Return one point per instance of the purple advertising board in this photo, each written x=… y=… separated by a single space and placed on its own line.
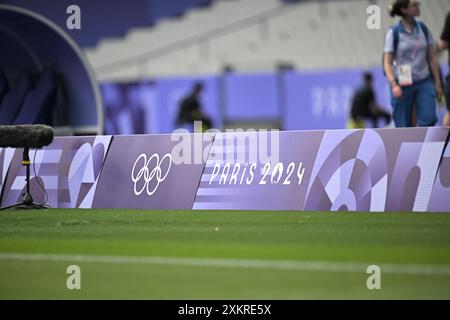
x=152 y=171
x=258 y=171
x=440 y=197
x=354 y=170
x=68 y=169
x=376 y=170
x=324 y=170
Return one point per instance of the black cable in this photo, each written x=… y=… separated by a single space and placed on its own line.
x=37 y=178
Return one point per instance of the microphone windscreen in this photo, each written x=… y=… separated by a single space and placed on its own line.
x=25 y=136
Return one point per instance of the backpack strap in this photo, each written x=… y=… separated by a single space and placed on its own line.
x=396 y=34
x=396 y=31
x=424 y=29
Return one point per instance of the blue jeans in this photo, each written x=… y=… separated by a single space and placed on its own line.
x=422 y=95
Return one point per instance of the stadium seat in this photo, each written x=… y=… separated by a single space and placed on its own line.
x=39 y=103
x=13 y=100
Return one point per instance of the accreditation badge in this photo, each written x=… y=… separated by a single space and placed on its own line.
x=405 y=75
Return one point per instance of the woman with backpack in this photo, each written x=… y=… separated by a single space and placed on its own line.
x=411 y=67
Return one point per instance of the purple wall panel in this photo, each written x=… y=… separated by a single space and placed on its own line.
x=319 y=100
x=251 y=96
x=131 y=108
x=170 y=92
x=152 y=106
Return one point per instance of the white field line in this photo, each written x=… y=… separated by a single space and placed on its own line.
x=327 y=266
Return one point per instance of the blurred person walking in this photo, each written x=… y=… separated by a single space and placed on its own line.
x=443 y=44
x=190 y=109
x=364 y=105
x=411 y=67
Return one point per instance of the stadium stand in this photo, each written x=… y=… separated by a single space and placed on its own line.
x=4 y=87
x=39 y=103
x=12 y=102
x=115 y=21
x=253 y=34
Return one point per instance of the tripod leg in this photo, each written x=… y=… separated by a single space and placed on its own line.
x=27 y=201
x=10 y=207
x=22 y=206
x=27 y=198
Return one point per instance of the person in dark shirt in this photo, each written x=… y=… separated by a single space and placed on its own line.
x=364 y=104
x=443 y=44
x=190 y=109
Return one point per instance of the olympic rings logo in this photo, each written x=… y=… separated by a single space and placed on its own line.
x=155 y=173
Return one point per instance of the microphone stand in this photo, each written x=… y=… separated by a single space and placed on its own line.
x=27 y=200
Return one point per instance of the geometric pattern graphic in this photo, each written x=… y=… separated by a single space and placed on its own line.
x=350 y=173
x=428 y=163
x=6 y=155
x=84 y=172
x=414 y=157
x=68 y=169
x=376 y=170
x=440 y=197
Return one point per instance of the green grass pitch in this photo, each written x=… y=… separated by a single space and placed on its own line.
x=132 y=254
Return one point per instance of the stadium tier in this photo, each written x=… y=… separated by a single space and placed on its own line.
x=254 y=35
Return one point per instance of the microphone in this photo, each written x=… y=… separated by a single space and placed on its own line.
x=25 y=136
